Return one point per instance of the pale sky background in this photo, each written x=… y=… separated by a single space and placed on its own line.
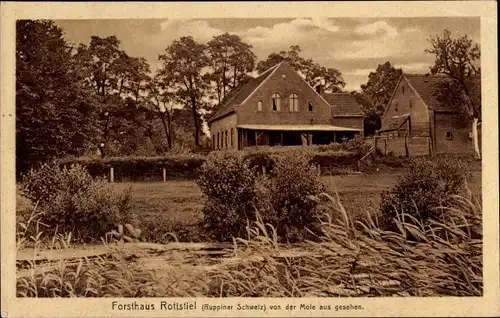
x=353 y=46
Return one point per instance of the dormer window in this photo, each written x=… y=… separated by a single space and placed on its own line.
x=294 y=103
x=310 y=104
x=276 y=100
x=259 y=106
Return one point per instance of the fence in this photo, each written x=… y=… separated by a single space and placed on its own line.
x=403 y=146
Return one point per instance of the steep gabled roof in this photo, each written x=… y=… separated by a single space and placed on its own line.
x=426 y=86
x=243 y=93
x=343 y=104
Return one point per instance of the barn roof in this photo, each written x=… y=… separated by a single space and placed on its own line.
x=242 y=94
x=394 y=123
x=426 y=85
x=343 y=104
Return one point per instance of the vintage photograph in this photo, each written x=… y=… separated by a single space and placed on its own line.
x=248 y=157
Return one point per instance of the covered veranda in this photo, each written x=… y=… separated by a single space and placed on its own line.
x=292 y=135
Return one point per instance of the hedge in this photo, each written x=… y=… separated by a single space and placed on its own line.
x=185 y=167
x=142 y=168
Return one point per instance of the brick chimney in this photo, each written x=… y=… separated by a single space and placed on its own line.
x=320 y=87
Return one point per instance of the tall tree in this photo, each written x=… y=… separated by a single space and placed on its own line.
x=313 y=73
x=458 y=59
x=162 y=102
x=376 y=93
x=53 y=110
x=114 y=76
x=231 y=60
x=184 y=65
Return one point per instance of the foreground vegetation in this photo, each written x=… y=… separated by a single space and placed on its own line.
x=425 y=238
x=349 y=259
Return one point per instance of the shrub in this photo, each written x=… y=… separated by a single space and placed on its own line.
x=426 y=186
x=229 y=189
x=70 y=200
x=357 y=145
x=293 y=181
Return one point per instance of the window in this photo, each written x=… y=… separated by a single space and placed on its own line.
x=294 y=103
x=225 y=139
x=213 y=141
x=410 y=104
x=276 y=102
x=403 y=89
x=449 y=135
x=396 y=106
x=218 y=144
x=232 y=138
x=259 y=106
x=310 y=106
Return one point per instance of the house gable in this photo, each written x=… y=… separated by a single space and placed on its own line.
x=289 y=85
x=241 y=95
x=406 y=101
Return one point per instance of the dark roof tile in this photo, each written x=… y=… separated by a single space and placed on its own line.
x=343 y=104
x=426 y=86
x=242 y=94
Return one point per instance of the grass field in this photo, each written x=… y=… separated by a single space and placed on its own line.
x=180 y=202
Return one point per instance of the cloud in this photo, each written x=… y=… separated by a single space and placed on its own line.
x=326 y=24
x=359 y=72
x=377 y=28
x=414 y=67
x=281 y=35
x=198 y=29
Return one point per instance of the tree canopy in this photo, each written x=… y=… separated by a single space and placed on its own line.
x=376 y=93
x=313 y=73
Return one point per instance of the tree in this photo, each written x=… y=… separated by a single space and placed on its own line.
x=231 y=60
x=312 y=72
x=183 y=65
x=457 y=58
x=162 y=101
x=53 y=109
x=114 y=76
x=376 y=93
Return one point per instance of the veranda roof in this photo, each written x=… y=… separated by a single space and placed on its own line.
x=297 y=127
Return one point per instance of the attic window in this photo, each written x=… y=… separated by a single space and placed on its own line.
x=396 y=106
x=276 y=102
x=449 y=135
x=259 y=106
x=403 y=89
x=310 y=106
x=410 y=104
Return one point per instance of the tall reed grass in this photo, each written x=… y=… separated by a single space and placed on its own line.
x=350 y=258
x=359 y=259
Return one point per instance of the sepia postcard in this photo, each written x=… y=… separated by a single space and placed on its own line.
x=249 y=159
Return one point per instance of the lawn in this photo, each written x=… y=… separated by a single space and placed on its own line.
x=180 y=202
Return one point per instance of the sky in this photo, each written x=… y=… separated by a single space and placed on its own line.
x=353 y=46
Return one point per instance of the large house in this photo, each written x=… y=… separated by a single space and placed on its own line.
x=415 y=111
x=280 y=108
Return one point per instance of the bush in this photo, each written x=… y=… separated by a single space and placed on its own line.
x=293 y=181
x=70 y=200
x=423 y=191
x=229 y=189
x=357 y=145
